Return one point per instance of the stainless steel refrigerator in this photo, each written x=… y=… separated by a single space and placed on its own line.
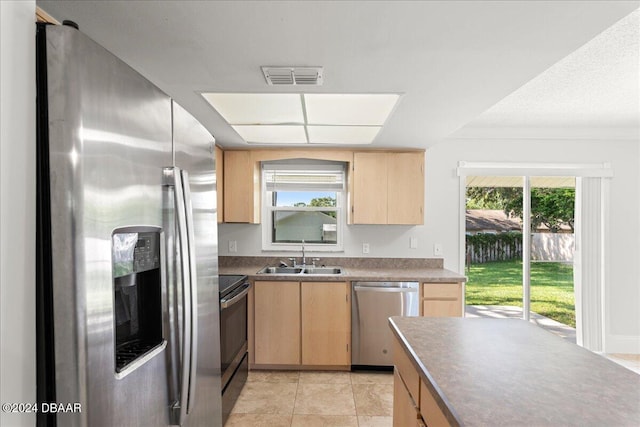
x=127 y=265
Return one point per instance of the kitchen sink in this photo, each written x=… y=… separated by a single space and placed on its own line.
x=322 y=270
x=281 y=270
x=301 y=270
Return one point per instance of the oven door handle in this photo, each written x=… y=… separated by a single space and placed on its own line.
x=228 y=303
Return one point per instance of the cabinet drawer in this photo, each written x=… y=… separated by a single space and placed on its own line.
x=442 y=308
x=431 y=412
x=406 y=370
x=441 y=290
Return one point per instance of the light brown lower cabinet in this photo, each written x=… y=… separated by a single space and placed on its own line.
x=302 y=324
x=413 y=404
x=277 y=322
x=326 y=323
x=441 y=300
x=405 y=412
x=429 y=409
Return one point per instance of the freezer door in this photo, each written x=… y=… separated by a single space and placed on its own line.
x=195 y=154
x=102 y=149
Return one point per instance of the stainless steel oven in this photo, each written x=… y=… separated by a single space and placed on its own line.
x=233 y=338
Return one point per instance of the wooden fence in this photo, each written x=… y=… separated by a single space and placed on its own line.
x=485 y=247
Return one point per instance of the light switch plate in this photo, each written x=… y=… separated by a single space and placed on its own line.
x=233 y=246
x=413 y=243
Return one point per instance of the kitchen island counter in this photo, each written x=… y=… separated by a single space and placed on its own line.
x=483 y=372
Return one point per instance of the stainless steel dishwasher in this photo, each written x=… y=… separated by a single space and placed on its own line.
x=372 y=304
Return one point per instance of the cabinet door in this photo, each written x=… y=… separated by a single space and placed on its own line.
x=241 y=192
x=277 y=323
x=369 y=188
x=442 y=299
x=220 y=183
x=326 y=324
x=405 y=412
x=431 y=412
x=405 y=188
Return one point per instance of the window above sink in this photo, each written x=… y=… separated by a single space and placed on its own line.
x=303 y=200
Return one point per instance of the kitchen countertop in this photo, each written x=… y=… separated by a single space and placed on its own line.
x=350 y=274
x=487 y=372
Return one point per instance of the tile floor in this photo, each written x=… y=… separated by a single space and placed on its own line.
x=314 y=399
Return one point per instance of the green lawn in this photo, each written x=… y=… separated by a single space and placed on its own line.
x=500 y=283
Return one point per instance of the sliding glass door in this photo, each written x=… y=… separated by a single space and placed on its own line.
x=551 y=253
x=519 y=243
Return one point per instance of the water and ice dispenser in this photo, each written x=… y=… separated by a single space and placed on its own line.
x=137 y=292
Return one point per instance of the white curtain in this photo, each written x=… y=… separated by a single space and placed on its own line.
x=589 y=266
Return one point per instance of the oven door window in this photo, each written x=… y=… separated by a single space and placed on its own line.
x=233 y=331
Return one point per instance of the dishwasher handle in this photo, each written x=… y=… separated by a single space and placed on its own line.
x=383 y=289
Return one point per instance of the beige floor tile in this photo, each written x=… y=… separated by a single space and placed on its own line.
x=373 y=399
x=364 y=377
x=369 y=421
x=258 y=420
x=324 y=399
x=326 y=377
x=266 y=398
x=324 y=421
x=274 y=376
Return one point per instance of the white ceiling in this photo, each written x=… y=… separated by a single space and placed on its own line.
x=451 y=60
x=591 y=93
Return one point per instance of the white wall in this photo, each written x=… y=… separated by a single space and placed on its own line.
x=622 y=304
x=442 y=216
x=17 y=207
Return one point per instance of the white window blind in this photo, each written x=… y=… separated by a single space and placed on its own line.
x=306 y=176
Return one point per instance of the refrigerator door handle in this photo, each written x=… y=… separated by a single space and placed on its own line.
x=193 y=292
x=179 y=404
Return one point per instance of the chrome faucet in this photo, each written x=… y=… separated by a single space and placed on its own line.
x=304 y=258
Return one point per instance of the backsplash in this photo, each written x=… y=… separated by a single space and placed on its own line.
x=362 y=263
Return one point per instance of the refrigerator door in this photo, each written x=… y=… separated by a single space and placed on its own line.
x=106 y=140
x=195 y=154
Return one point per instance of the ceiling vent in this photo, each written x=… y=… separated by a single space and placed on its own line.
x=290 y=76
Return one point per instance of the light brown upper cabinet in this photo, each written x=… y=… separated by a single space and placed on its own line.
x=220 y=183
x=388 y=188
x=241 y=188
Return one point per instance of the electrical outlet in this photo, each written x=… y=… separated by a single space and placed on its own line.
x=437 y=248
x=413 y=243
x=365 y=248
x=233 y=246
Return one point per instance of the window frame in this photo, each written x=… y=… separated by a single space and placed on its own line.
x=268 y=210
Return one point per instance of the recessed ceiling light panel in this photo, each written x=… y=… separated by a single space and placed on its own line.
x=349 y=109
x=342 y=134
x=300 y=118
x=272 y=134
x=257 y=108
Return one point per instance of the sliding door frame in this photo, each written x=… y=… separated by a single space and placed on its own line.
x=526 y=171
